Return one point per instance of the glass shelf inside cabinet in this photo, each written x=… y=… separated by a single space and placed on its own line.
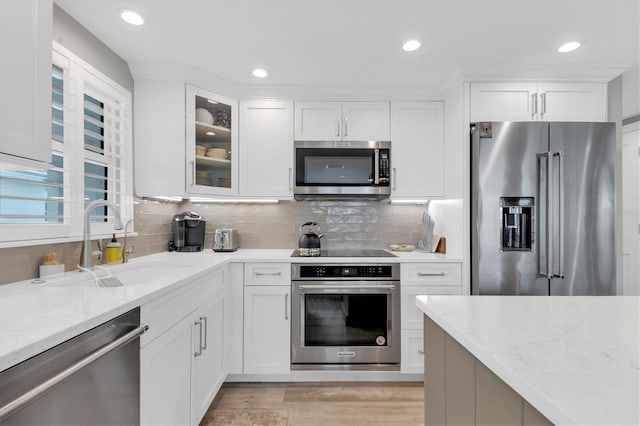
x=213 y=143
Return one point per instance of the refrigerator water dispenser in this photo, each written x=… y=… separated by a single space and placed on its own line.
x=517 y=223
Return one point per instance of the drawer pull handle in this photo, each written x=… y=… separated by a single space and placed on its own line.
x=420 y=352
x=439 y=274
x=267 y=274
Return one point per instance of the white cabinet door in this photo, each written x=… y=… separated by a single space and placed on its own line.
x=410 y=316
x=267 y=334
x=349 y=121
x=538 y=101
x=417 y=156
x=365 y=121
x=502 y=101
x=318 y=121
x=25 y=72
x=210 y=373
x=571 y=102
x=166 y=376
x=159 y=132
x=211 y=143
x=266 y=149
x=412 y=357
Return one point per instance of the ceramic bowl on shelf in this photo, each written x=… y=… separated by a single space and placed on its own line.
x=201 y=150
x=218 y=153
x=204 y=116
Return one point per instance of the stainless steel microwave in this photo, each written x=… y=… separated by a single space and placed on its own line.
x=342 y=169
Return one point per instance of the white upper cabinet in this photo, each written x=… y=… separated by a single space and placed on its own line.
x=365 y=121
x=211 y=143
x=572 y=102
x=348 y=121
x=266 y=148
x=417 y=149
x=538 y=101
x=25 y=72
x=159 y=153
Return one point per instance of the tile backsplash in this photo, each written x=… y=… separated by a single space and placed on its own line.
x=345 y=224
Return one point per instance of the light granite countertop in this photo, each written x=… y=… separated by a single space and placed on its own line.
x=36 y=317
x=575 y=359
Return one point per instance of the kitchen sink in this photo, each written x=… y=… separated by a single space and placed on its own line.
x=127 y=274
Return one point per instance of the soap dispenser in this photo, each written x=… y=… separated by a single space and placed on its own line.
x=114 y=251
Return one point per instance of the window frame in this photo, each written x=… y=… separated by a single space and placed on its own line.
x=78 y=76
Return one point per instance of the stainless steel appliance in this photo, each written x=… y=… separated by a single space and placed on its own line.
x=91 y=379
x=335 y=170
x=543 y=208
x=225 y=240
x=187 y=229
x=345 y=316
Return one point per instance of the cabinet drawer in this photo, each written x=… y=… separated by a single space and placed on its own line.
x=162 y=313
x=411 y=316
x=267 y=274
x=439 y=274
x=412 y=352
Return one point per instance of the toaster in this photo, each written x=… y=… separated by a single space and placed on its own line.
x=225 y=240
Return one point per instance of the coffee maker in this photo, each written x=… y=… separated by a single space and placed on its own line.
x=187 y=229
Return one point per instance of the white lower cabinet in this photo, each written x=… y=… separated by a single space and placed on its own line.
x=182 y=359
x=267 y=329
x=210 y=373
x=430 y=278
x=412 y=358
x=166 y=376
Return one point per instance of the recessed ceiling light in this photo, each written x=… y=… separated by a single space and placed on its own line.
x=211 y=101
x=411 y=45
x=131 y=17
x=210 y=134
x=569 y=47
x=260 y=73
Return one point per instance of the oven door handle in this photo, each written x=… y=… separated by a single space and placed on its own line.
x=347 y=287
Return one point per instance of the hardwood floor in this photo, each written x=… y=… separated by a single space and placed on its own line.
x=326 y=404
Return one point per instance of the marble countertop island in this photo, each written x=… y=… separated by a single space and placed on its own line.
x=575 y=359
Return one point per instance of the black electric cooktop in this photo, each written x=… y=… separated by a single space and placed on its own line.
x=348 y=253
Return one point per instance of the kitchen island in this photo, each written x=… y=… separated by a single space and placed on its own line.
x=532 y=360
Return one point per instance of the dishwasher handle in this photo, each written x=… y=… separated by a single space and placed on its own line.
x=27 y=397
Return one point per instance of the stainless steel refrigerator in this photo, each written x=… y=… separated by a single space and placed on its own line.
x=543 y=208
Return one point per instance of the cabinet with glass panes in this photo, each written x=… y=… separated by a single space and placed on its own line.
x=211 y=144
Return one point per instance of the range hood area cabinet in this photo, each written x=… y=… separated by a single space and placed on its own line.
x=530 y=101
x=25 y=69
x=342 y=121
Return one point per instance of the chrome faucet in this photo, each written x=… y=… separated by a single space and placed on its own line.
x=86 y=259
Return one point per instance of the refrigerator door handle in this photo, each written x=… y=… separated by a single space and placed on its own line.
x=560 y=155
x=548 y=272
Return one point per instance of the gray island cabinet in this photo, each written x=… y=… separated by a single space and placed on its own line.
x=460 y=390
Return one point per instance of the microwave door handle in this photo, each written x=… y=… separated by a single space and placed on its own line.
x=376 y=166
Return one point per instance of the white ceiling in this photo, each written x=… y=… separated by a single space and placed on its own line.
x=357 y=43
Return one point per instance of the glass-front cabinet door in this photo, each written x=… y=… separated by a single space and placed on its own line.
x=211 y=143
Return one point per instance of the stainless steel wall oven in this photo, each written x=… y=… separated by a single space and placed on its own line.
x=345 y=316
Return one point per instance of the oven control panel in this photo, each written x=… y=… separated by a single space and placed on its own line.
x=343 y=271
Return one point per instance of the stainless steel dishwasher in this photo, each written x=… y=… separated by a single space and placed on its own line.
x=91 y=379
